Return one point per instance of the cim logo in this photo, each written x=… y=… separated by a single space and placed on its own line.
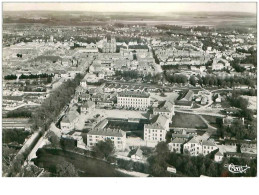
x=237 y=168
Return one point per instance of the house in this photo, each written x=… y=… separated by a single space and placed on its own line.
x=218 y=156
x=166 y=109
x=228 y=120
x=185 y=100
x=105 y=104
x=68 y=121
x=193 y=146
x=176 y=145
x=83 y=83
x=87 y=107
x=138 y=155
x=85 y=97
x=80 y=90
x=208 y=146
x=204 y=100
x=217 y=98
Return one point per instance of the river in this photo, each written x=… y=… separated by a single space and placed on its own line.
x=86 y=166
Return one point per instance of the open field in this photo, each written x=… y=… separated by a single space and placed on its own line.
x=184 y=120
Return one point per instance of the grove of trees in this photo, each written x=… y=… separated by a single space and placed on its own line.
x=194 y=166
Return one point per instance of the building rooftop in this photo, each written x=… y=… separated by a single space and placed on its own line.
x=158 y=122
x=187 y=96
x=133 y=94
x=208 y=143
x=108 y=132
x=178 y=140
x=70 y=116
x=88 y=104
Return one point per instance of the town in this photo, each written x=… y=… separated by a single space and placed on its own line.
x=89 y=98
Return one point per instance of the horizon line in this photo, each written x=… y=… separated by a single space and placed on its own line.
x=128 y=11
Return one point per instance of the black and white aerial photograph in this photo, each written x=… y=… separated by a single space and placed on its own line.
x=129 y=89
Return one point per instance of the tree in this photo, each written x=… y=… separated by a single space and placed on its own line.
x=8 y=155
x=203 y=169
x=219 y=122
x=168 y=137
x=158 y=161
x=193 y=80
x=104 y=149
x=66 y=169
x=54 y=139
x=162 y=149
x=49 y=79
x=30 y=171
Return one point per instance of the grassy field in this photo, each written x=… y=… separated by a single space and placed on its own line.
x=183 y=120
x=86 y=166
x=211 y=120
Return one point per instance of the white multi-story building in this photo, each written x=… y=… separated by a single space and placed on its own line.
x=208 y=146
x=133 y=100
x=176 y=145
x=198 y=145
x=117 y=136
x=193 y=146
x=100 y=132
x=156 y=131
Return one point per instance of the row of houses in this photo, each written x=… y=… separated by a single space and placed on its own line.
x=123 y=87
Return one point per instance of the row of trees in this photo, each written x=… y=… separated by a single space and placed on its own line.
x=36 y=76
x=52 y=106
x=31 y=76
x=211 y=80
x=175 y=78
x=130 y=74
x=10 y=77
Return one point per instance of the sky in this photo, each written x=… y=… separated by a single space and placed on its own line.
x=133 y=7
